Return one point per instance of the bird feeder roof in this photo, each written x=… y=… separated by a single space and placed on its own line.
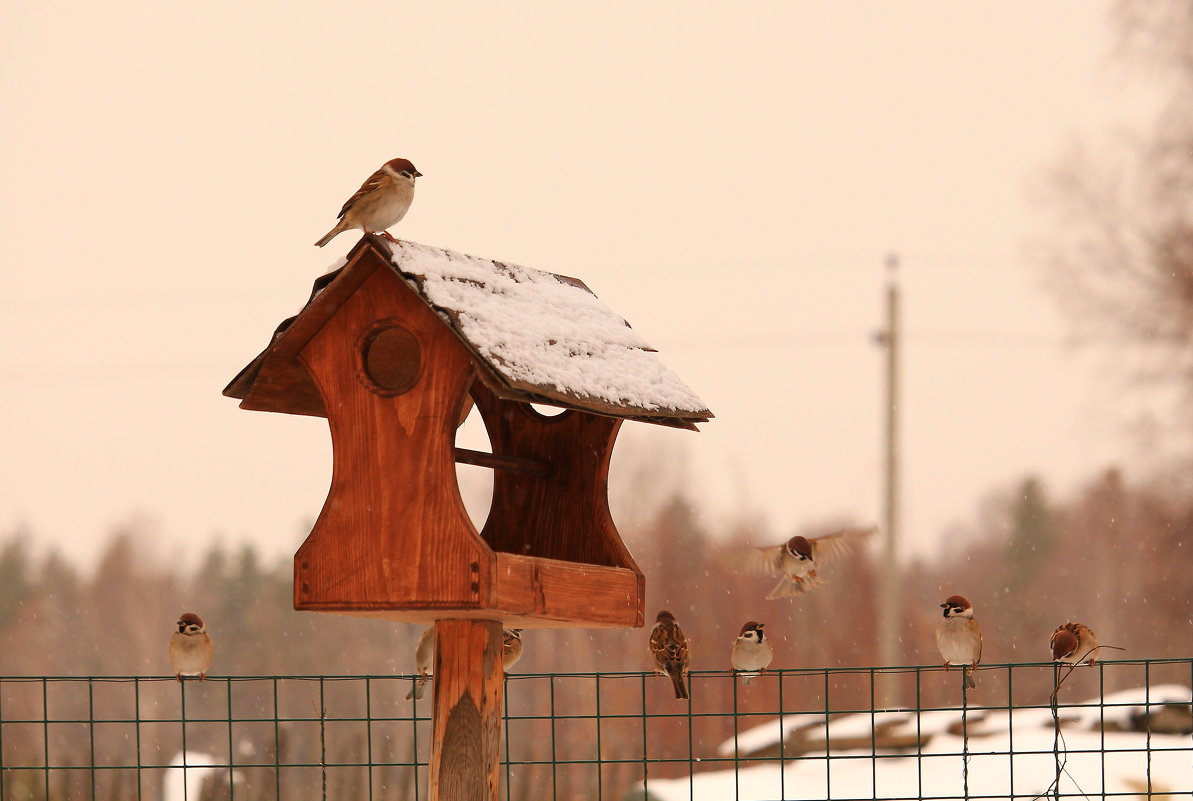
x=537 y=337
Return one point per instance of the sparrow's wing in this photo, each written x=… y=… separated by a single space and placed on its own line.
x=511 y=649
x=977 y=633
x=424 y=652
x=683 y=656
x=1063 y=631
x=658 y=649
x=761 y=560
x=839 y=544
x=371 y=184
x=669 y=646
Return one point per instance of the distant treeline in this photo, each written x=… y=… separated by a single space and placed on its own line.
x=1115 y=556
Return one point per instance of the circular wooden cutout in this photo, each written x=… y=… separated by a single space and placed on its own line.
x=390 y=359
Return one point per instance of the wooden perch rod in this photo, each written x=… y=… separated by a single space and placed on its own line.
x=516 y=464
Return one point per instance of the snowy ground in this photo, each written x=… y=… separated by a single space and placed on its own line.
x=184 y=781
x=1009 y=755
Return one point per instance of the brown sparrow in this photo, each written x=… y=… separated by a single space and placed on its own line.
x=424 y=657
x=752 y=652
x=798 y=558
x=958 y=637
x=1073 y=643
x=424 y=662
x=380 y=202
x=669 y=651
x=511 y=647
x=190 y=648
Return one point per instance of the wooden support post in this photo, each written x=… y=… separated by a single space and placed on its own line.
x=466 y=721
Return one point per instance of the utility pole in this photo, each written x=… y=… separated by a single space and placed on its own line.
x=890 y=651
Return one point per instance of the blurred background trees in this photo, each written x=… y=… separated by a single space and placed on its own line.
x=1117 y=553
x=1120 y=250
x=1114 y=555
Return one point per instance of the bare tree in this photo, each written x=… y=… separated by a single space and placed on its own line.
x=1121 y=255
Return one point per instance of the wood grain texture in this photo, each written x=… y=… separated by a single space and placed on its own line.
x=277 y=381
x=393 y=539
x=530 y=593
x=563 y=515
x=584 y=595
x=393 y=530
x=466 y=717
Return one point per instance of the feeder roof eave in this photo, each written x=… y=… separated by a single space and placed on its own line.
x=489 y=305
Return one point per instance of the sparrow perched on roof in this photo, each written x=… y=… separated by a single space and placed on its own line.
x=380 y=202
x=1073 y=643
x=669 y=652
x=752 y=651
x=424 y=657
x=958 y=637
x=797 y=559
x=190 y=648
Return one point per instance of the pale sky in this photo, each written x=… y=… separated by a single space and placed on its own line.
x=728 y=177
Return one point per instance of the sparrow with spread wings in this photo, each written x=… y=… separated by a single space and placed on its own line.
x=798 y=560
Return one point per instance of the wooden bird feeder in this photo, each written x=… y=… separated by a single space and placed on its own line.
x=394 y=348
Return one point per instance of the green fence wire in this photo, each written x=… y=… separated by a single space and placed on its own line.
x=1121 y=729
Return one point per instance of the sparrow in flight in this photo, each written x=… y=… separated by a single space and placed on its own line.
x=798 y=560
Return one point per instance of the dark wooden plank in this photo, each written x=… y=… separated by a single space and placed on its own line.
x=466 y=717
x=561 y=516
x=498 y=462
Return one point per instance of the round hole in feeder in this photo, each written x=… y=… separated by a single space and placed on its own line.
x=390 y=358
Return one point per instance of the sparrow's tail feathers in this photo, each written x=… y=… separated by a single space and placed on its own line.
x=681 y=687
x=969 y=680
x=340 y=228
x=745 y=677
x=789 y=588
x=419 y=688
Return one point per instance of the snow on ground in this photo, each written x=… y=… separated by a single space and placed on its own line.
x=1009 y=754
x=772 y=732
x=858 y=774
x=185 y=783
x=537 y=328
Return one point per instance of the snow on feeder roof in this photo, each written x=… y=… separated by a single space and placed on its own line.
x=538 y=337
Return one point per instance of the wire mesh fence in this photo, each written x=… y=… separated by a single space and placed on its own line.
x=1117 y=729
